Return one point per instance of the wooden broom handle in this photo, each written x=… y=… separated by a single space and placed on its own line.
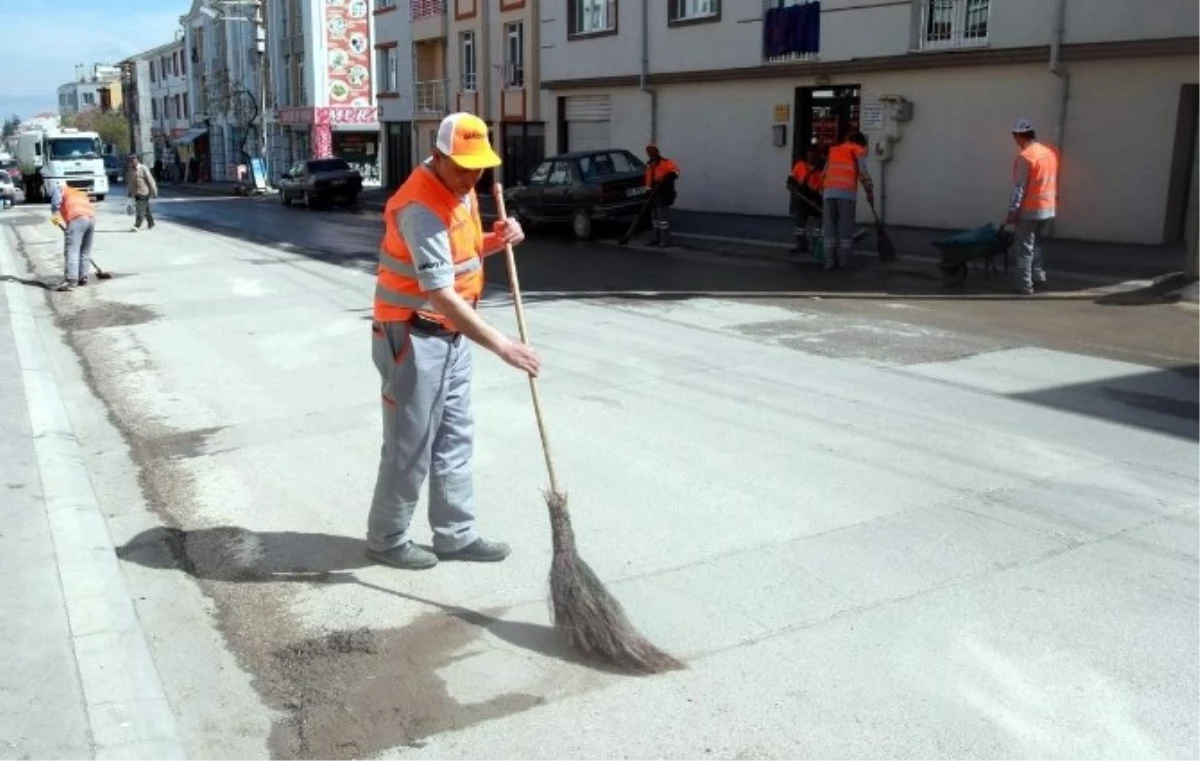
x=515 y=284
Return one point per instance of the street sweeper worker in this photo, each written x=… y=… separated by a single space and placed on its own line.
x=1033 y=204
x=804 y=182
x=661 y=174
x=429 y=280
x=845 y=168
x=74 y=215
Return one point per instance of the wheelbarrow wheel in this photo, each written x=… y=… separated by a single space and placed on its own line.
x=953 y=274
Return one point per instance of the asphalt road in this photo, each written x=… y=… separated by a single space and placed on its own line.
x=876 y=519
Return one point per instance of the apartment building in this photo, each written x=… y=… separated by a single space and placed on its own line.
x=324 y=87
x=735 y=90
x=225 y=72
x=461 y=55
x=160 y=105
x=394 y=89
x=99 y=90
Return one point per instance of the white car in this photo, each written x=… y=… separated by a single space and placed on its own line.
x=8 y=191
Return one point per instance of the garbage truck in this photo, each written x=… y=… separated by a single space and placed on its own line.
x=64 y=157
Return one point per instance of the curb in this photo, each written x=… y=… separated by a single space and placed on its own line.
x=129 y=715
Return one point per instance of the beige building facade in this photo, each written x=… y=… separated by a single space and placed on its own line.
x=735 y=90
x=478 y=56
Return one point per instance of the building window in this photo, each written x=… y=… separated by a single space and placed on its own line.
x=381 y=4
x=466 y=61
x=953 y=23
x=514 y=55
x=588 y=17
x=388 y=63
x=693 y=10
x=286 y=83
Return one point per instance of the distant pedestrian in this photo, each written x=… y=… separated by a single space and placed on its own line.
x=141 y=187
x=804 y=182
x=79 y=223
x=429 y=281
x=661 y=175
x=845 y=169
x=1033 y=206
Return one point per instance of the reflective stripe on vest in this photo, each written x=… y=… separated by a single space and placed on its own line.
x=398 y=293
x=75 y=204
x=1041 y=189
x=841 y=170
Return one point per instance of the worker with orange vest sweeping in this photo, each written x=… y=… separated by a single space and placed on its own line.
x=845 y=168
x=78 y=221
x=1033 y=206
x=429 y=280
x=804 y=182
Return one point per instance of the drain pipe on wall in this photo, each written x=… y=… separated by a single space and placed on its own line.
x=1064 y=82
x=646 y=72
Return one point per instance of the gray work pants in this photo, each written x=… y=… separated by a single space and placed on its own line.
x=838 y=232
x=78 y=249
x=141 y=206
x=660 y=217
x=1030 y=267
x=428 y=430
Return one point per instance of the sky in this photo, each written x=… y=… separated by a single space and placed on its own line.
x=42 y=41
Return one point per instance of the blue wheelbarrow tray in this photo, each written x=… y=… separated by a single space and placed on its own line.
x=985 y=242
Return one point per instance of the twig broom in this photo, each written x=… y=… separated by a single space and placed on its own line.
x=590 y=618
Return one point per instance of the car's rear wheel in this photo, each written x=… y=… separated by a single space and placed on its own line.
x=581 y=224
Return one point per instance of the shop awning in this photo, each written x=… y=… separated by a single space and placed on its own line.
x=189 y=136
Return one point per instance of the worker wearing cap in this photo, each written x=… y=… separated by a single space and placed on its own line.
x=804 y=182
x=1033 y=204
x=845 y=169
x=429 y=279
x=661 y=174
x=78 y=220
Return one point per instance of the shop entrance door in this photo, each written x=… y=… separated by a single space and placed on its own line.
x=824 y=115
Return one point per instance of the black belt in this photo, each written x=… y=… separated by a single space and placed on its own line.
x=431 y=327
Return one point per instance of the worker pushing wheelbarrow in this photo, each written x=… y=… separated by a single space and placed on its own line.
x=981 y=244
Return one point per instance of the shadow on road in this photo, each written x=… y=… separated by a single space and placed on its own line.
x=1166 y=401
x=235 y=554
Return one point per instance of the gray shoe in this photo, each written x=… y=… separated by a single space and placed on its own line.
x=479 y=551
x=408 y=556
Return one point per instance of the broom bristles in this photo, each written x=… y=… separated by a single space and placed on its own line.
x=591 y=619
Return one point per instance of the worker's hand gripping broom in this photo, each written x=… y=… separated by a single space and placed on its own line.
x=591 y=619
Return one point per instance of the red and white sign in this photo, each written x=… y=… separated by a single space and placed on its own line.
x=307 y=115
x=347 y=115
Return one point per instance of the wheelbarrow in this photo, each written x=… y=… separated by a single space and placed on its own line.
x=983 y=244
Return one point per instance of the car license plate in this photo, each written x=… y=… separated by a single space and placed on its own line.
x=339 y=182
x=636 y=191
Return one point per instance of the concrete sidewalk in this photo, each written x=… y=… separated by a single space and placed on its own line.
x=79 y=680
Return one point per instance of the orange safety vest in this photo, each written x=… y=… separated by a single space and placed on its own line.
x=841 y=168
x=806 y=175
x=1041 y=190
x=398 y=294
x=75 y=204
x=658 y=171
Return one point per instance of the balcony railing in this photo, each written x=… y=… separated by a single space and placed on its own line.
x=953 y=24
x=423 y=9
x=430 y=97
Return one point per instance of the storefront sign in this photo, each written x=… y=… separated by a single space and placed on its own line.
x=348 y=42
x=293 y=115
x=782 y=112
x=871 y=116
x=347 y=115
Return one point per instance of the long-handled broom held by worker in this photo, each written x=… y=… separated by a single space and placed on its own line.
x=591 y=619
